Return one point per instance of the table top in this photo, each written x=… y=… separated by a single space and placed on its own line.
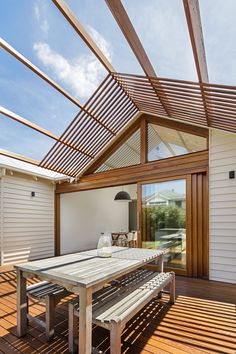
x=85 y=269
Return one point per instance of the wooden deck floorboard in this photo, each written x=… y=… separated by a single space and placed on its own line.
x=203 y=320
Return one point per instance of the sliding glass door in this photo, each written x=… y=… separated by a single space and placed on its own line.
x=163 y=220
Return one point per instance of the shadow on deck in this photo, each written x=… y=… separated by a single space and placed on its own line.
x=203 y=320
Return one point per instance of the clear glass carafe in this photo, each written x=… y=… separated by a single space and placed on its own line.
x=104 y=246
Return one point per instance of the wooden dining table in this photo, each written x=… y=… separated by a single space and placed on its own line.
x=81 y=273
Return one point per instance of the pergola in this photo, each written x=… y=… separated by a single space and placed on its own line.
x=122 y=98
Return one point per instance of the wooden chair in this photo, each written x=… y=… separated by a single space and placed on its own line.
x=49 y=294
x=116 y=304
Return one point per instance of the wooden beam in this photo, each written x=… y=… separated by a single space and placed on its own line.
x=156 y=118
x=73 y=20
x=19 y=157
x=193 y=17
x=192 y=13
x=176 y=125
x=41 y=130
x=177 y=165
x=143 y=140
x=37 y=71
x=126 y=26
x=26 y=122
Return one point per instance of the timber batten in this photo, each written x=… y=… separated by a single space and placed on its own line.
x=195 y=162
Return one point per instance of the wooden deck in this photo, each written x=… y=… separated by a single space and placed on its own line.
x=203 y=320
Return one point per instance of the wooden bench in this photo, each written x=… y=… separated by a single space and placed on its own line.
x=116 y=304
x=50 y=294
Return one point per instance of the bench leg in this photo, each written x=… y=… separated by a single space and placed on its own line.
x=72 y=329
x=172 y=290
x=50 y=313
x=115 y=338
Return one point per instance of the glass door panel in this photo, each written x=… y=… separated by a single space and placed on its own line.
x=164 y=220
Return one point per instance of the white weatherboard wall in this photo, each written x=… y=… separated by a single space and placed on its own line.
x=26 y=222
x=222 y=194
x=84 y=215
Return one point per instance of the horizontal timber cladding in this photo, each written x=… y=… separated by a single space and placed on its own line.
x=27 y=222
x=222 y=202
x=190 y=163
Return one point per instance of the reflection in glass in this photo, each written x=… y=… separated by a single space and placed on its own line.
x=165 y=142
x=164 y=220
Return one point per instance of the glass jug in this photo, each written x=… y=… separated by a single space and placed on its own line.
x=104 y=246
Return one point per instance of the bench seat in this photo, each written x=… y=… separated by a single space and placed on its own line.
x=116 y=304
x=50 y=294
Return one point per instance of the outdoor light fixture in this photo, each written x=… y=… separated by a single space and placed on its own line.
x=122 y=196
x=32 y=194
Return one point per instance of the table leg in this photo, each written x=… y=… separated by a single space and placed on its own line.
x=160 y=263
x=21 y=304
x=85 y=321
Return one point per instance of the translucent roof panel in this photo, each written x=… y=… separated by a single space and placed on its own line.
x=162 y=28
x=22 y=140
x=41 y=33
x=219 y=30
x=127 y=154
x=27 y=95
x=165 y=142
x=96 y=17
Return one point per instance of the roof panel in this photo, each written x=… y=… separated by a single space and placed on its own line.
x=24 y=93
x=219 y=29
x=100 y=23
x=49 y=41
x=29 y=142
x=162 y=29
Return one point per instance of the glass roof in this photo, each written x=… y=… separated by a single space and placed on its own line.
x=24 y=93
x=219 y=31
x=40 y=32
x=165 y=142
x=99 y=19
x=29 y=142
x=163 y=31
x=127 y=154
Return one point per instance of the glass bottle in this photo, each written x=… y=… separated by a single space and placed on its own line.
x=104 y=246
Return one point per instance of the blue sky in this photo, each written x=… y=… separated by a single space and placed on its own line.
x=39 y=32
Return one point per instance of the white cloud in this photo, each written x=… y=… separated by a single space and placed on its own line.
x=81 y=74
x=39 y=16
x=101 y=42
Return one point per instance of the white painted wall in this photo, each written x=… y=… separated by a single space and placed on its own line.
x=84 y=215
x=26 y=222
x=222 y=194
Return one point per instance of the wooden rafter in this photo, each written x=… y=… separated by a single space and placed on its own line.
x=6 y=46
x=19 y=157
x=192 y=13
x=126 y=26
x=193 y=18
x=46 y=78
x=26 y=122
x=19 y=119
x=75 y=23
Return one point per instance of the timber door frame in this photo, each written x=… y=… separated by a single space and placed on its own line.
x=197 y=241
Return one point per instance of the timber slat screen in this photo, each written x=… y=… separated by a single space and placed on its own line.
x=183 y=99
x=102 y=117
x=117 y=100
